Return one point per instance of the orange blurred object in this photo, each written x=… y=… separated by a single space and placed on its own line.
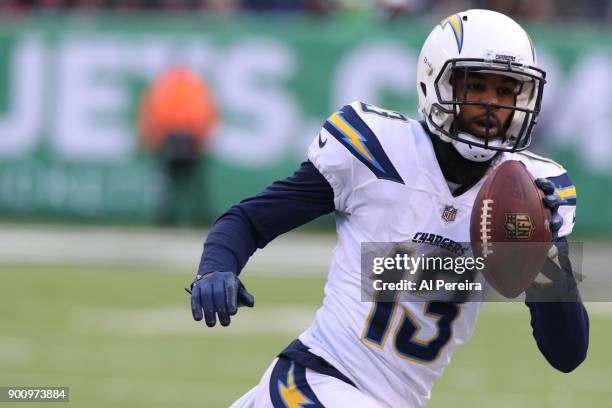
x=177 y=101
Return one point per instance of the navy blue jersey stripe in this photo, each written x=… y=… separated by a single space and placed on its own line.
x=568 y=201
x=565 y=188
x=304 y=387
x=561 y=181
x=288 y=386
x=298 y=352
x=350 y=130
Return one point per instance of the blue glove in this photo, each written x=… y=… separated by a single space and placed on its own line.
x=219 y=293
x=552 y=201
x=557 y=281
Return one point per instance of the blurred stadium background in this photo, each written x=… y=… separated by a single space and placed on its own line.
x=91 y=283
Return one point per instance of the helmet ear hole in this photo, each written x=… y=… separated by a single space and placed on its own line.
x=424 y=89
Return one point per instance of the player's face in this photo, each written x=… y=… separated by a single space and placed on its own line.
x=484 y=88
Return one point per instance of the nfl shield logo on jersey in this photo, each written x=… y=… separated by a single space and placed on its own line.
x=449 y=213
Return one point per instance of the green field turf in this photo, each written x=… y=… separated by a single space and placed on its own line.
x=123 y=336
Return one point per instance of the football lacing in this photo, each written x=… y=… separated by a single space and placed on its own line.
x=485 y=227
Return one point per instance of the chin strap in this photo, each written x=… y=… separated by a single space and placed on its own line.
x=475 y=153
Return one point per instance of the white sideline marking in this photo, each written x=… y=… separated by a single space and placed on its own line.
x=14 y=350
x=172 y=321
x=175 y=249
x=177 y=321
x=603 y=309
x=599 y=308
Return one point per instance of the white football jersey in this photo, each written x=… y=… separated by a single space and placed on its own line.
x=388 y=187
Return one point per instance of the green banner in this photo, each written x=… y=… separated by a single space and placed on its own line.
x=70 y=86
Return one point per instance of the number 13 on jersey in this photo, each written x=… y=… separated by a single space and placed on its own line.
x=405 y=341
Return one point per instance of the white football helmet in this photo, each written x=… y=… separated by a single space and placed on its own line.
x=487 y=42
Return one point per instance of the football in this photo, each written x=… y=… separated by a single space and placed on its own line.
x=510 y=228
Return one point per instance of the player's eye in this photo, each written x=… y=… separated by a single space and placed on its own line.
x=505 y=90
x=475 y=86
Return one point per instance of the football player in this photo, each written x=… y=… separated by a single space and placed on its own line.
x=388 y=178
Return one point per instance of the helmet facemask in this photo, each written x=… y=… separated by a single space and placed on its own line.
x=514 y=135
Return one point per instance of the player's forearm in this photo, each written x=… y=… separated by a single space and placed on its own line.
x=559 y=320
x=230 y=243
x=561 y=330
x=254 y=222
